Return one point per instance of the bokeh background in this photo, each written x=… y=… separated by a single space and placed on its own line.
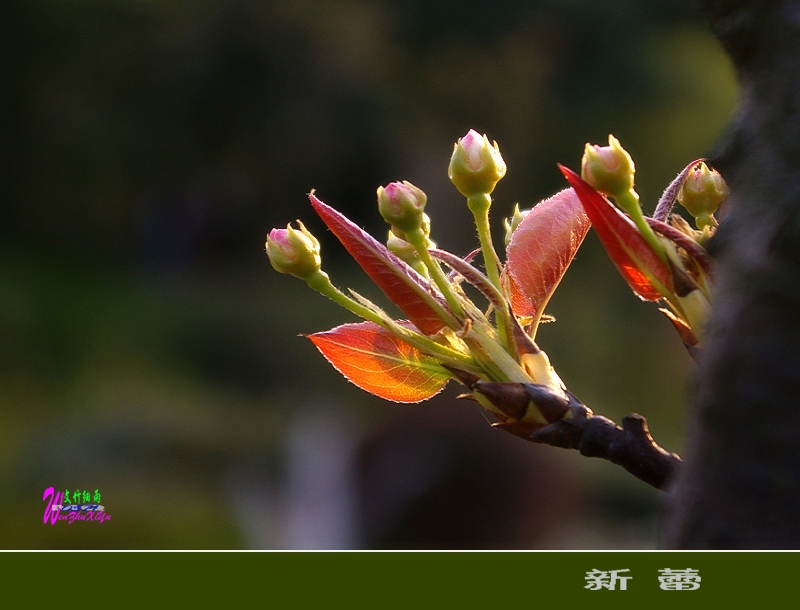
x=149 y=351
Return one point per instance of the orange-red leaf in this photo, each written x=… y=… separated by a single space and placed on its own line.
x=541 y=249
x=376 y=361
x=630 y=252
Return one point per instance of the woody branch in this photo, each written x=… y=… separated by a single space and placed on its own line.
x=573 y=425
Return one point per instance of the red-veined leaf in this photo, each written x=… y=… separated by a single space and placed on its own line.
x=406 y=288
x=376 y=361
x=541 y=249
x=630 y=252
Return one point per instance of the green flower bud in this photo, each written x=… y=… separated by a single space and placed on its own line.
x=512 y=223
x=294 y=252
x=701 y=193
x=406 y=252
x=476 y=165
x=402 y=205
x=609 y=169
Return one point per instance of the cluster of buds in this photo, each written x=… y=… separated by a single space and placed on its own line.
x=402 y=206
x=490 y=347
x=661 y=257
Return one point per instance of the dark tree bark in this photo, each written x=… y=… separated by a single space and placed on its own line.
x=739 y=486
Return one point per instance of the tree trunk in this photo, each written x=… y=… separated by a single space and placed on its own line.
x=739 y=487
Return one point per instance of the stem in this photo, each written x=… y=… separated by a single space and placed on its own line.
x=485 y=286
x=498 y=356
x=420 y=242
x=322 y=284
x=479 y=206
x=629 y=202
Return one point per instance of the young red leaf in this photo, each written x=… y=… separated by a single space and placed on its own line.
x=670 y=194
x=471 y=275
x=541 y=249
x=406 y=288
x=641 y=267
x=376 y=361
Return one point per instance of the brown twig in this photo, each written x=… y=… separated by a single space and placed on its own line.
x=629 y=446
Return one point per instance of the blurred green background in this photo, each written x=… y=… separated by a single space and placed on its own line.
x=149 y=351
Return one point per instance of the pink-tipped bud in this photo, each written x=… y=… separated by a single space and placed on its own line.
x=609 y=169
x=701 y=193
x=402 y=205
x=476 y=165
x=294 y=252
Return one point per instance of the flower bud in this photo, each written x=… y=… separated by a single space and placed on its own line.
x=701 y=193
x=476 y=165
x=406 y=252
x=609 y=169
x=402 y=205
x=512 y=223
x=294 y=252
